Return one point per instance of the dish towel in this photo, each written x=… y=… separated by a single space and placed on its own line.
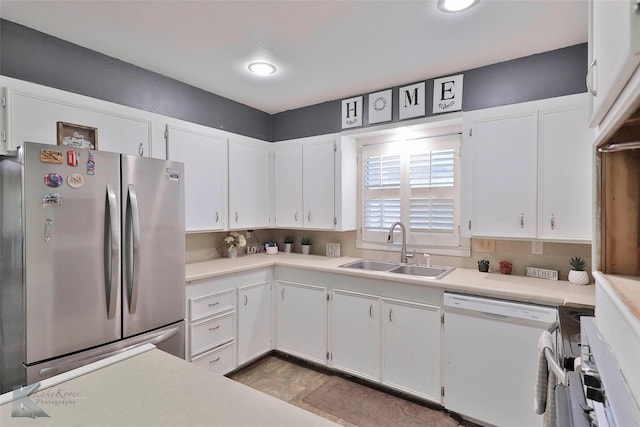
x=545 y=401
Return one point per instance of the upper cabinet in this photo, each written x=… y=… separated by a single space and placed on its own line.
x=614 y=51
x=249 y=183
x=204 y=155
x=314 y=183
x=33 y=118
x=530 y=170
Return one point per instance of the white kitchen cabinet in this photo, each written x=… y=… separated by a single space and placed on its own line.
x=566 y=171
x=315 y=183
x=504 y=153
x=355 y=334
x=254 y=321
x=32 y=117
x=301 y=321
x=530 y=169
x=614 y=51
x=220 y=360
x=249 y=183
x=411 y=348
x=204 y=155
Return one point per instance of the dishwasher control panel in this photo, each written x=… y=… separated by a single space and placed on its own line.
x=501 y=308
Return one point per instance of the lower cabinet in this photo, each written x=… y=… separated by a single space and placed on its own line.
x=411 y=348
x=254 y=321
x=355 y=334
x=220 y=360
x=301 y=321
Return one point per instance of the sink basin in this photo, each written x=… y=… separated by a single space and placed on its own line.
x=433 y=272
x=371 y=265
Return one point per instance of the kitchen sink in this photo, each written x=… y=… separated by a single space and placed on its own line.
x=434 y=272
x=367 y=264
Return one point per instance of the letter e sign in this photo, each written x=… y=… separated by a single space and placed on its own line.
x=352 y=112
x=447 y=94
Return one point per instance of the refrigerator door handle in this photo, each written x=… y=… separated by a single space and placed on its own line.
x=112 y=247
x=133 y=248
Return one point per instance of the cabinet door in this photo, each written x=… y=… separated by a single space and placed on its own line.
x=248 y=183
x=505 y=175
x=355 y=334
x=205 y=169
x=411 y=348
x=614 y=47
x=302 y=321
x=288 y=186
x=254 y=321
x=566 y=174
x=318 y=184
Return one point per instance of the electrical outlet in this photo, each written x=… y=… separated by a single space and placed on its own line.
x=537 y=248
x=485 y=245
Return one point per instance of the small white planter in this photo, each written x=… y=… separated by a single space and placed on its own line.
x=305 y=249
x=271 y=250
x=287 y=248
x=578 y=277
x=232 y=252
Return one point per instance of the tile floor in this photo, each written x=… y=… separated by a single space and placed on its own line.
x=287 y=379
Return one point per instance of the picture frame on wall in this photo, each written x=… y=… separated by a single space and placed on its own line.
x=77 y=136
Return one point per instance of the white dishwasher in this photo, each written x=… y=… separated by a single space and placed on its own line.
x=491 y=358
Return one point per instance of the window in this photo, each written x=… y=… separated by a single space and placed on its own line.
x=414 y=181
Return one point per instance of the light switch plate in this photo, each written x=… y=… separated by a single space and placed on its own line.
x=537 y=248
x=333 y=249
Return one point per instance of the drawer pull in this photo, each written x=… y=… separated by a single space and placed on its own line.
x=215 y=360
x=214 y=328
x=213 y=304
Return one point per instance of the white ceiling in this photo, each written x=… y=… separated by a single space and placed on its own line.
x=324 y=50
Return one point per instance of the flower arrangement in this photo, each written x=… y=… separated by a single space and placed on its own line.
x=235 y=239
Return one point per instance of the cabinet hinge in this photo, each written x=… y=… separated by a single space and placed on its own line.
x=4 y=136
x=335 y=221
x=4 y=102
x=442 y=391
x=469 y=224
x=442 y=318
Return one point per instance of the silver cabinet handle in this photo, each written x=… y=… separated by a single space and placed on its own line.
x=553 y=222
x=213 y=304
x=295 y=216
x=391 y=315
x=521 y=220
x=132 y=255
x=282 y=293
x=215 y=328
x=371 y=311
x=217 y=359
x=309 y=216
x=246 y=300
x=217 y=216
x=141 y=149
x=236 y=216
x=112 y=252
x=594 y=65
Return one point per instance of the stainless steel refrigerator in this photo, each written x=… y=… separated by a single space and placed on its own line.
x=92 y=258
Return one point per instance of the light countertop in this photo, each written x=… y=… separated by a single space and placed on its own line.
x=464 y=280
x=157 y=389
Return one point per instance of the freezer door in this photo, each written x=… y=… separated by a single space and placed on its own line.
x=72 y=250
x=153 y=243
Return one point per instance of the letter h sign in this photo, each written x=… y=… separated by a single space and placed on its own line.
x=352 y=112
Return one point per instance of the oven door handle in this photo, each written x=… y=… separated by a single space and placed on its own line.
x=553 y=365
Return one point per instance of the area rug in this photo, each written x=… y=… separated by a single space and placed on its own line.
x=367 y=407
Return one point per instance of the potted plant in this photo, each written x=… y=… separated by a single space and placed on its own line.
x=577 y=275
x=306 y=245
x=288 y=242
x=483 y=265
x=233 y=241
x=505 y=267
x=271 y=248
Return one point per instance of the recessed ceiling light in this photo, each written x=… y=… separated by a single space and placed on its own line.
x=262 y=68
x=455 y=5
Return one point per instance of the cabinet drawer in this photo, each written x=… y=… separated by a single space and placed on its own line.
x=211 y=333
x=221 y=360
x=208 y=305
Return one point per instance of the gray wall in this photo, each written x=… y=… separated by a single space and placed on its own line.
x=36 y=57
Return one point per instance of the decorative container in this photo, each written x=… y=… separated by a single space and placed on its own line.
x=578 y=277
x=305 y=249
x=232 y=252
x=287 y=248
x=271 y=250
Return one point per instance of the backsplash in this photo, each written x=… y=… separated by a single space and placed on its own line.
x=556 y=256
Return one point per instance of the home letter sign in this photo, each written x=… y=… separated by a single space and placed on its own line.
x=352 y=112
x=411 y=100
x=447 y=94
x=380 y=106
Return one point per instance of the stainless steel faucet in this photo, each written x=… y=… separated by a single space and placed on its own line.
x=403 y=251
